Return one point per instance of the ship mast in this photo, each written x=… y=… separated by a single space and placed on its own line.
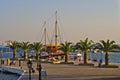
x=56 y=32
x=45 y=33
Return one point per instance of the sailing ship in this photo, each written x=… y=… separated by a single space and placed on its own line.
x=52 y=47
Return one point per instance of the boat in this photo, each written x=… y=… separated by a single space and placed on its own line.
x=52 y=47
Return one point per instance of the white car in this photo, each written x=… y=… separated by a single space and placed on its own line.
x=73 y=54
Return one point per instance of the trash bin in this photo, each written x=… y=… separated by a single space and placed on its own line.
x=44 y=75
x=100 y=63
x=8 y=61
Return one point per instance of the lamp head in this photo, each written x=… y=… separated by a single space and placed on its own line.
x=29 y=64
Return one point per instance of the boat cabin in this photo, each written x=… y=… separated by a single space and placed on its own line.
x=52 y=48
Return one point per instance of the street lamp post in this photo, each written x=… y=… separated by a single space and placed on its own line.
x=39 y=69
x=29 y=64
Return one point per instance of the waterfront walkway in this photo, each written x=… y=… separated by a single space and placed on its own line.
x=72 y=72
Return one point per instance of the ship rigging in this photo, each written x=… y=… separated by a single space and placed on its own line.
x=52 y=46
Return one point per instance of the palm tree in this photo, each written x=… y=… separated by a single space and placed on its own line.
x=106 y=47
x=37 y=46
x=66 y=48
x=13 y=45
x=85 y=46
x=25 y=46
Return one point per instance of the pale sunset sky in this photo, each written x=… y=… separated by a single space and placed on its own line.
x=22 y=20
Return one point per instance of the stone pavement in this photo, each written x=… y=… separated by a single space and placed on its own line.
x=72 y=72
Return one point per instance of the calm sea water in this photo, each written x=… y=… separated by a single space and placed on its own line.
x=114 y=56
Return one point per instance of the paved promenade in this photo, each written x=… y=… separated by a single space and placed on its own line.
x=73 y=72
x=70 y=72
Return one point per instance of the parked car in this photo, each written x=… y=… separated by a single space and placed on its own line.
x=73 y=54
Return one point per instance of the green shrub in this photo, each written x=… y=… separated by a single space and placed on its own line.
x=66 y=62
x=13 y=58
x=46 y=62
x=110 y=66
x=88 y=64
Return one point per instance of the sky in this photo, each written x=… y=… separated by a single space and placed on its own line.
x=22 y=20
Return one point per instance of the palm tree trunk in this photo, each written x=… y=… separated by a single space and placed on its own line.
x=66 y=57
x=107 y=58
x=85 y=57
x=14 y=53
x=37 y=56
x=25 y=54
